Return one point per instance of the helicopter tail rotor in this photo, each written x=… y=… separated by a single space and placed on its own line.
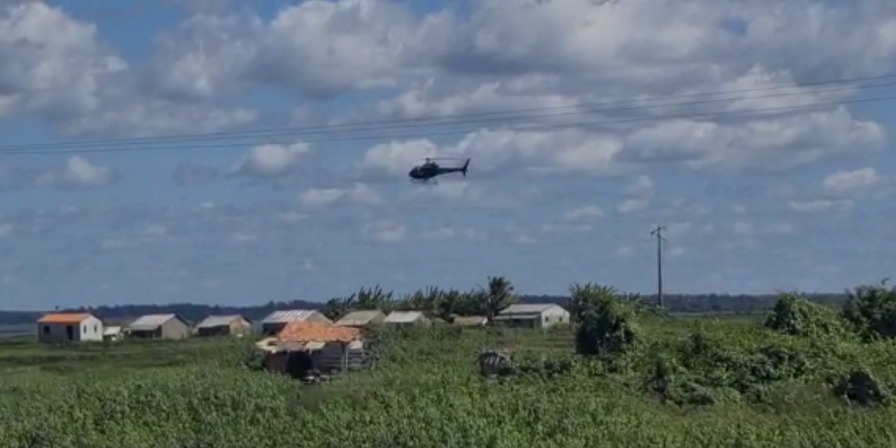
x=464 y=168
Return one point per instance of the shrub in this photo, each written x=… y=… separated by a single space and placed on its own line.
x=860 y=387
x=606 y=326
x=871 y=311
x=797 y=316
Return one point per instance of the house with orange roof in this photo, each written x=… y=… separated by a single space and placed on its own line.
x=69 y=327
x=302 y=348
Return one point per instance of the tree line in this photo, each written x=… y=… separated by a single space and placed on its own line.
x=440 y=302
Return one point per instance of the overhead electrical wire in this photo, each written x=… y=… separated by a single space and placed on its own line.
x=188 y=141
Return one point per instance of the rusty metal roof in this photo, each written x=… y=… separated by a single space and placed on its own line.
x=317 y=332
x=63 y=318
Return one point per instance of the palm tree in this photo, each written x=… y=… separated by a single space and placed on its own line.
x=499 y=296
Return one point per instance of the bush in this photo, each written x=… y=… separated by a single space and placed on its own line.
x=861 y=387
x=606 y=326
x=871 y=312
x=797 y=316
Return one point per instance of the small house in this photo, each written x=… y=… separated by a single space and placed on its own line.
x=113 y=333
x=407 y=318
x=69 y=327
x=276 y=321
x=362 y=318
x=533 y=315
x=233 y=325
x=302 y=349
x=469 y=321
x=159 y=326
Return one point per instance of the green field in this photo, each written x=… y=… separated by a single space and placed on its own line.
x=729 y=383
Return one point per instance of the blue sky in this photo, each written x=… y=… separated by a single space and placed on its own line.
x=754 y=201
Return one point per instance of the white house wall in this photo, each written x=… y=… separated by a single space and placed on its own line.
x=90 y=329
x=554 y=315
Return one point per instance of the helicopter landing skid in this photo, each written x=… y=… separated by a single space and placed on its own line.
x=430 y=181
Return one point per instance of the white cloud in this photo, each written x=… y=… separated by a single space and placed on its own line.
x=77 y=173
x=851 y=181
x=272 y=160
x=819 y=205
x=446 y=232
x=761 y=144
x=59 y=69
x=384 y=231
x=52 y=64
x=318 y=47
x=397 y=157
x=358 y=194
x=638 y=195
x=497 y=151
x=583 y=213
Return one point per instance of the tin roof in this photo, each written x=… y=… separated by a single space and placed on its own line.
x=397 y=317
x=284 y=316
x=359 y=317
x=63 y=318
x=218 y=321
x=470 y=320
x=150 y=321
x=317 y=332
x=111 y=331
x=527 y=308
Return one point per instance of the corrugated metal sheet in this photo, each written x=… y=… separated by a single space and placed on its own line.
x=404 y=317
x=284 y=316
x=527 y=308
x=150 y=322
x=111 y=331
x=517 y=316
x=470 y=320
x=361 y=317
x=218 y=321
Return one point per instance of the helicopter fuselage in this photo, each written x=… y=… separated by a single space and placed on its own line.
x=424 y=172
x=430 y=170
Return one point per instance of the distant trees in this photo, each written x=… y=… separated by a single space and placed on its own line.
x=439 y=303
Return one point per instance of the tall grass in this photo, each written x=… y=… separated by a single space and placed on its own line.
x=736 y=384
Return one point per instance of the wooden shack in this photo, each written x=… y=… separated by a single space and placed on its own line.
x=310 y=349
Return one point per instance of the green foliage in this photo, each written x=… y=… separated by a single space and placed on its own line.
x=435 y=302
x=606 y=325
x=677 y=382
x=871 y=311
x=860 y=386
x=797 y=316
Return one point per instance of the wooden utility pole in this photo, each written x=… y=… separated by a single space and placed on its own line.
x=658 y=233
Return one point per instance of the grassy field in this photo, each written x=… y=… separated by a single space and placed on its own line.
x=729 y=383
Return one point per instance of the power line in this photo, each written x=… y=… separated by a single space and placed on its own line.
x=741 y=114
x=459 y=119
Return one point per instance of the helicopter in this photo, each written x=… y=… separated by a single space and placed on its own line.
x=429 y=170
